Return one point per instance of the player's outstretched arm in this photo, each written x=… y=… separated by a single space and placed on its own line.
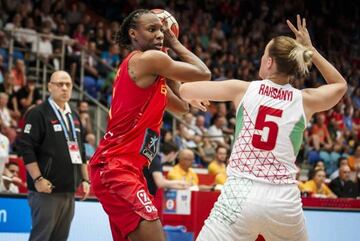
x=227 y=90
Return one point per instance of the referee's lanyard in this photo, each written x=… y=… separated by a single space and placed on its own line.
x=73 y=146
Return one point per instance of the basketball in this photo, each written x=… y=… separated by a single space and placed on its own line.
x=171 y=21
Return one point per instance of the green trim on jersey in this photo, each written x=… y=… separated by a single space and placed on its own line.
x=239 y=121
x=296 y=135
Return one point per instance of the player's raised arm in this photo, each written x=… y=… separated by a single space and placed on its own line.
x=326 y=96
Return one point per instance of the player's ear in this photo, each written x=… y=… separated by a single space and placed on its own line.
x=132 y=34
x=269 y=62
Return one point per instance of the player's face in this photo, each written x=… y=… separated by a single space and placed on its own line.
x=264 y=65
x=148 y=33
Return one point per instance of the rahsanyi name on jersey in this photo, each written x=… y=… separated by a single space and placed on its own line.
x=276 y=93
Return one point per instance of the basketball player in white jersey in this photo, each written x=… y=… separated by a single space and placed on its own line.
x=261 y=195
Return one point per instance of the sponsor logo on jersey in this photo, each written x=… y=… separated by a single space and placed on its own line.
x=145 y=200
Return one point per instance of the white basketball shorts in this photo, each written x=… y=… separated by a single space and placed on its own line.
x=247 y=208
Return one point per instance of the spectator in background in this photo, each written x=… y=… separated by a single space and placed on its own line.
x=216 y=132
x=8 y=87
x=342 y=186
x=182 y=170
x=8 y=123
x=206 y=149
x=4 y=156
x=356 y=97
x=80 y=37
x=218 y=165
x=154 y=175
x=337 y=120
x=2 y=69
x=83 y=108
x=330 y=158
x=355 y=168
x=43 y=47
x=11 y=179
x=19 y=73
x=114 y=27
x=319 y=164
x=200 y=128
x=74 y=15
x=27 y=96
x=90 y=145
x=100 y=39
x=111 y=57
x=319 y=133
x=356 y=123
x=316 y=186
x=187 y=132
x=91 y=63
x=355 y=158
x=29 y=32
x=16 y=26
x=341 y=161
x=348 y=118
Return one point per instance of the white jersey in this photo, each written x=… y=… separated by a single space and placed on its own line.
x=270 y=122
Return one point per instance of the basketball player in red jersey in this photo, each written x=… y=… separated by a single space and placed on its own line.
x=140 y=96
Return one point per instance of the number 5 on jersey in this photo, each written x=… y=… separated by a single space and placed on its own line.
x=262 y=123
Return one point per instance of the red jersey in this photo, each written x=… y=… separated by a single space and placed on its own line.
x=134 y=120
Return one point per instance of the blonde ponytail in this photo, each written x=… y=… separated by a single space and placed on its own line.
x=303 y=57
x=291 y=57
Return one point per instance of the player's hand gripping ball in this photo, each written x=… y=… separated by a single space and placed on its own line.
x=172 y=24
x=168 y=19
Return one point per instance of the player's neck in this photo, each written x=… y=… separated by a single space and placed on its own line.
x=279 y=79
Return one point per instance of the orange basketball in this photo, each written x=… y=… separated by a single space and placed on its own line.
x=171 y=21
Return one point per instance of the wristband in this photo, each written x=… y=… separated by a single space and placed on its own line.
x=87 y=181
x=38 y=179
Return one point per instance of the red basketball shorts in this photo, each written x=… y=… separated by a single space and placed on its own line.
x=122 y=190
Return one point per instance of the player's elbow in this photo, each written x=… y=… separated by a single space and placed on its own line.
x=343 y=87
x=206 y=74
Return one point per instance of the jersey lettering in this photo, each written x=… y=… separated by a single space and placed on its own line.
x=163 y=89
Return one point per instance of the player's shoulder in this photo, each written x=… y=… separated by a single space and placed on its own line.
x=152 y=55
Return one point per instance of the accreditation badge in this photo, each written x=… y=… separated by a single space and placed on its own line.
x=74 y=152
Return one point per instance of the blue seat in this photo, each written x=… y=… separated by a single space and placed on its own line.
x=177 y=233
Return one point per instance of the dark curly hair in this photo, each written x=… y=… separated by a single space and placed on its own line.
x=122 y=36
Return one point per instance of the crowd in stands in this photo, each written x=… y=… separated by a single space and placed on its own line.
x=229 y=36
